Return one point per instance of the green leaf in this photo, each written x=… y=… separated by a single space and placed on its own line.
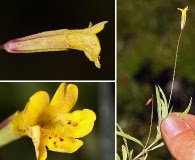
x=162 y=106
x=124 y=152
x=158 y=135
x=157 y=146
x=164 y=97
x=129 y=137
x=131 y=154
x=187 y=109
x=164 y=110
x=124 y=139
x=117 y=157
x=159 y=110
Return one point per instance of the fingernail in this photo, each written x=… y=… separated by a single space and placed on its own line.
x=174 y=125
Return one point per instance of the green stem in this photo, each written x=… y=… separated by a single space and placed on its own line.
x=175 y=66
x=150 y=130
x=145 y=150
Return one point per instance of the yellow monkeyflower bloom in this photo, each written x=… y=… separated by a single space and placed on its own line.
x=183 y=16
x=50 y=124
x=64 y=39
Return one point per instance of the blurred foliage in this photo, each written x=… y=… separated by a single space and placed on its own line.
x=14 y=96
x=147 y=34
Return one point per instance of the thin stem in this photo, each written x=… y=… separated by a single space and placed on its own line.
x=145 y=150
x=175 y=66
x=151 y=119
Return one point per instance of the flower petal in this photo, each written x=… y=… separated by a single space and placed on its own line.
x=64 y=99
x=80 y=123
x=29 y=116
x=183 y=16
x=60 y=141
x=34 y=108
x=96 y=28
x=18 y=124
x=35 y=134
x=87 y=41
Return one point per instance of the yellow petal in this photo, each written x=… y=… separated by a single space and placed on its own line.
x=80 y=122
x=59 y=141
x=29 y=116
x=87 y=41
x=183 y=16
x=96 y=28
x=35 y=107
x=35 y=134
x=64 y=99
x=18 y=124
x=93 y=50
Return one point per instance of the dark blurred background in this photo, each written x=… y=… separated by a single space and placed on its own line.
x=99 y=97
x=22 y=18
x=147 y=34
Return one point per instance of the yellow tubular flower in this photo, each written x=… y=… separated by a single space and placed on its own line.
x=50 y=124
x=58 y=40
x=183 y=16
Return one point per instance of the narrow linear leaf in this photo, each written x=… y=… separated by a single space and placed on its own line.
x=124 y=139
x=164 y=97
x=117 y=157
x=131 y=154
x=159 y=110
x=164 y=109
x=157 y=146
x=129 y=137
x=158 y=135
x=124 y=152
x=187 y=109
x=164 y=104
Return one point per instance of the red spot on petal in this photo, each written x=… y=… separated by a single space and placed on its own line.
x=74 y=124
x=61 y=139
x=50 y=137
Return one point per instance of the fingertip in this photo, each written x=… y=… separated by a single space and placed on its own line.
x=179 y=137
x=173 y=125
